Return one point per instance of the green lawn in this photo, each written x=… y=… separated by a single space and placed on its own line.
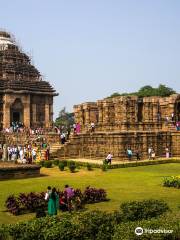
x=123 y=184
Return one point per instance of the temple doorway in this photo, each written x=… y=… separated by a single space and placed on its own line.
x=17 y=111
x=140 y=110
x=177 y=111
x=16 y=117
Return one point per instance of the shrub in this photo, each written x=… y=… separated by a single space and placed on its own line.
x=145 y=209
x=173 y=181
x=89 y=225
x=25 y=202
x=61 y=166
x=64 y=162
x=89 y=167
x=126 y=230
x=72 y=166
x=33 y=202
x=104 y=167
x=4 y=233
x=92 y=225
x=92 y=195
x=78 y=166
x=47 y=164
x=13 y=205
x=56 y=162
x=41 y=163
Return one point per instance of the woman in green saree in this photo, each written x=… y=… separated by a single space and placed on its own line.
x=53 y=203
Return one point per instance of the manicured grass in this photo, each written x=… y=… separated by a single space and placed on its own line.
x=124 y=184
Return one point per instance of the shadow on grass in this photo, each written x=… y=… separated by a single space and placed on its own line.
x=25 y=177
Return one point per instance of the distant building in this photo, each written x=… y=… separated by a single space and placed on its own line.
x=24 y=96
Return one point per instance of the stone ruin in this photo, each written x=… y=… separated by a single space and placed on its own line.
x=126 y=122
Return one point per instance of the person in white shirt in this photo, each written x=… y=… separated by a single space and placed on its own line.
x=109 y=158
x=48 y=192
x=92 y=126
x=149 y=152
x=34 y=154
x=21 y=154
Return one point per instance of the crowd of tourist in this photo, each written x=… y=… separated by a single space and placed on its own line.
x=28 y=153
x=18 y=127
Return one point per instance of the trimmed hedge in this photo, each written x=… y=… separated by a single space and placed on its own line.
x=94 y=225
x=72 y=166
x=121 y=164
x=137 y=210
x=61 y=166
x=48 y=164
x=89 y=167
x=126 y=231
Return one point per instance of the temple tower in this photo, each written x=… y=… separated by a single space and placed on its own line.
x=24 y=96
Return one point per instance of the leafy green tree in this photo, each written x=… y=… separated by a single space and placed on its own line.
x=148 y=91
x=164 y=91
x=65 y=118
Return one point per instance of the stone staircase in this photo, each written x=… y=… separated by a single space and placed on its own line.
x=57 y=147
x=171 y=127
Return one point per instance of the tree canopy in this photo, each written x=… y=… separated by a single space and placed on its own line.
x=148 y=91
x=64 y=118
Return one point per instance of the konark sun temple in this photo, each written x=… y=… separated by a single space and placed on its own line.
x=24 y=96
x=127 y=122
x=120 y=123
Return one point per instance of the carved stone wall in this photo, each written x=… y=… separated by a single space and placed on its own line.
x=128 y=113
x=126 y=122
x=36 y=110
x=98 y=145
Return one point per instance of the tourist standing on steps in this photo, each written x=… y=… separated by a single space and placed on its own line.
x=63 y=138
x=74 y=128
x=138 y=155
x=129 y=154
x=92 y=126
x=78 y=128
x=153 y=155
x=53 y=203
x=167 y=152
x=149 y=152
x=109 y=158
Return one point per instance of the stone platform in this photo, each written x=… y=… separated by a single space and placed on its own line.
x=16 y=171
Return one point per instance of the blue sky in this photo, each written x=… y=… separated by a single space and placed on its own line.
x=88 y=49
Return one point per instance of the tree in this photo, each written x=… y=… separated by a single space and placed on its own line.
x=64 y=118
x=148 y=91
x=164 y=91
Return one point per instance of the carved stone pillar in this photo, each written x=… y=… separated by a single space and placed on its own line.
x=47 y=113
x=87 y=116
x=33 y=113
x=27 y=111
x=51 y=113
x=6 y=110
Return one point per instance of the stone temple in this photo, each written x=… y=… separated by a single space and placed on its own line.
x=24 y=96
x=126 y=122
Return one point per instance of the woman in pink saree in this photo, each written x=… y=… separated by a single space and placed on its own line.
x=78 y=128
